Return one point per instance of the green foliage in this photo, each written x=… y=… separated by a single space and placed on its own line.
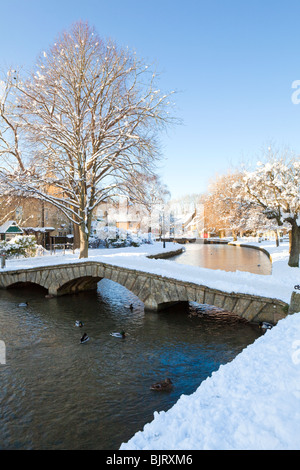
x=21 y=245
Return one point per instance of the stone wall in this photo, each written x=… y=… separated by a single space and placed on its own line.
x=295 y=303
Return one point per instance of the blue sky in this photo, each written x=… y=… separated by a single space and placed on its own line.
x=231 y=62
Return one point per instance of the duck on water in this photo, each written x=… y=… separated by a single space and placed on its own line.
x=163 y=386
x=122 y=334
x=265 y=326
x=84 y=338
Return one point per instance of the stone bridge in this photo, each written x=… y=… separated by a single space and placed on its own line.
x=155 y=291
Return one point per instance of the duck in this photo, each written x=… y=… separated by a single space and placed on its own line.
x=84 y=338
x=122 y=334
x=78 y=323
x=265 y=325
x=23 y=304
x=165 y=385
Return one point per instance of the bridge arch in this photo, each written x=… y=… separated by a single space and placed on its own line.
x=77 y=285
x=24 y=284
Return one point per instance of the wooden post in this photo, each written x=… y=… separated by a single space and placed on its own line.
x=3 y=259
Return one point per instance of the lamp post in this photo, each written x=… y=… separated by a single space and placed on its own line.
x=163 y=226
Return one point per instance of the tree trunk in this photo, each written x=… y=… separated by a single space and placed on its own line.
x=76 y=239
x=234 y=235
x=84 y=242
x=276 y=238
x=294 y=246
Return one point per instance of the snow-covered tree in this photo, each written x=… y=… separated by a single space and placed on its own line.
x=275 y=186
x=21 y=245
x=91 y=112
x=224 y=209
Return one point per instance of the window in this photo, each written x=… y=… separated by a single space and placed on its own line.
x=19 y=212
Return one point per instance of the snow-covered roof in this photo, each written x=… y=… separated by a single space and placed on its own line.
x=39 y=229
x=6 y=226
x=183 y=219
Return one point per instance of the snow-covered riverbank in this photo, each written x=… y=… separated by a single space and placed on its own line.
x=252 y=402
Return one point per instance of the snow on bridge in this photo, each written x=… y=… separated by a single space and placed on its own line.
x=156 y=291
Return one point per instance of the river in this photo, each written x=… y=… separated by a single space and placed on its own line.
x=59 y=394
x=225 y=257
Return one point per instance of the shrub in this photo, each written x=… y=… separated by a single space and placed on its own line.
x=113 y=237
x=21 y=245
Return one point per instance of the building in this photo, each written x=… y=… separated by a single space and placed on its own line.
x=9 y=230
x=33 y=216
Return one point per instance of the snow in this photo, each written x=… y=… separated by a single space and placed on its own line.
x=40 y=229
x=251 y=403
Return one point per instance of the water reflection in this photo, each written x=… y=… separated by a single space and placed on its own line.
x=59 y=394
x=225 y=257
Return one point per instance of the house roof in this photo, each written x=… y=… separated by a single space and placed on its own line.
x=38 y=229
x=10 y=226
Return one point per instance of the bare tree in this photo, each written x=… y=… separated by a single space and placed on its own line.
x=10 y=129
x=91 y=112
